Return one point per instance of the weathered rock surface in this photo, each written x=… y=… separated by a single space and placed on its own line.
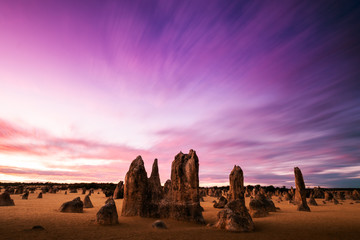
x=107 y=215
x=119 y=191
x=167 y=187
x=300 y=193
x=87 y=202
x=260 y=206
x=235 y=217
x=136 y=193
x=178 y=200
x=183 y=200
x=74 y=206
x=40 y=195
x=5 y=199
x=236 y=190
x=154 y=183
x=234 y=222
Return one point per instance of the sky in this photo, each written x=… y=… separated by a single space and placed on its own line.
x=87 y=86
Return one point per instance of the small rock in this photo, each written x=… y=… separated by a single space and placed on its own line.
x=159 y=224
x=38 y=227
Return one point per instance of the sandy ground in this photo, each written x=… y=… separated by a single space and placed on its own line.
x=326 y=221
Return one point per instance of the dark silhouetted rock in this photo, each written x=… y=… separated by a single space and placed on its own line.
x=336 y=202
x=287 y=196
x=318 y=192
x=87 y=202
x=300 y=194
x=312 y=201
x=328 y=196
x=25 y=196
x=65 y=192
x=83 y=190
x=355 y=195
x=119 y=191
x=342 y=195
x=107 y=215
x=74 y=206
x=159 y=224
x=73 y=190
x=5 y=199
x=40 y=195
x=38 y=228
x=221 y=203
x=136 y=196
x=235 y=217
x=19 y=190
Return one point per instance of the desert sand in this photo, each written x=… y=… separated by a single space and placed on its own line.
x=326 y=221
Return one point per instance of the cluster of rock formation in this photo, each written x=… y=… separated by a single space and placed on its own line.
x=179 y=199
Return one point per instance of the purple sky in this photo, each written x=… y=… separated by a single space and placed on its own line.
x=86 y=86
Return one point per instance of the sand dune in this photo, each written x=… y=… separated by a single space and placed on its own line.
x=326 y=221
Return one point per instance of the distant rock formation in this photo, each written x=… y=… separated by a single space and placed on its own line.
x=107 y=215
x=40 y=195
x=312 y=201
x=74 y=206
x=5 y=199
x=300 y=193
x=119 y=191
x=87 y=202
x=73 y=190
x=355 y=195
x=25 y=196
x=235 y=217
x=287 y=196
x=260 y=206
x=318 y=192
x=83 y=190
x=328 y=196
